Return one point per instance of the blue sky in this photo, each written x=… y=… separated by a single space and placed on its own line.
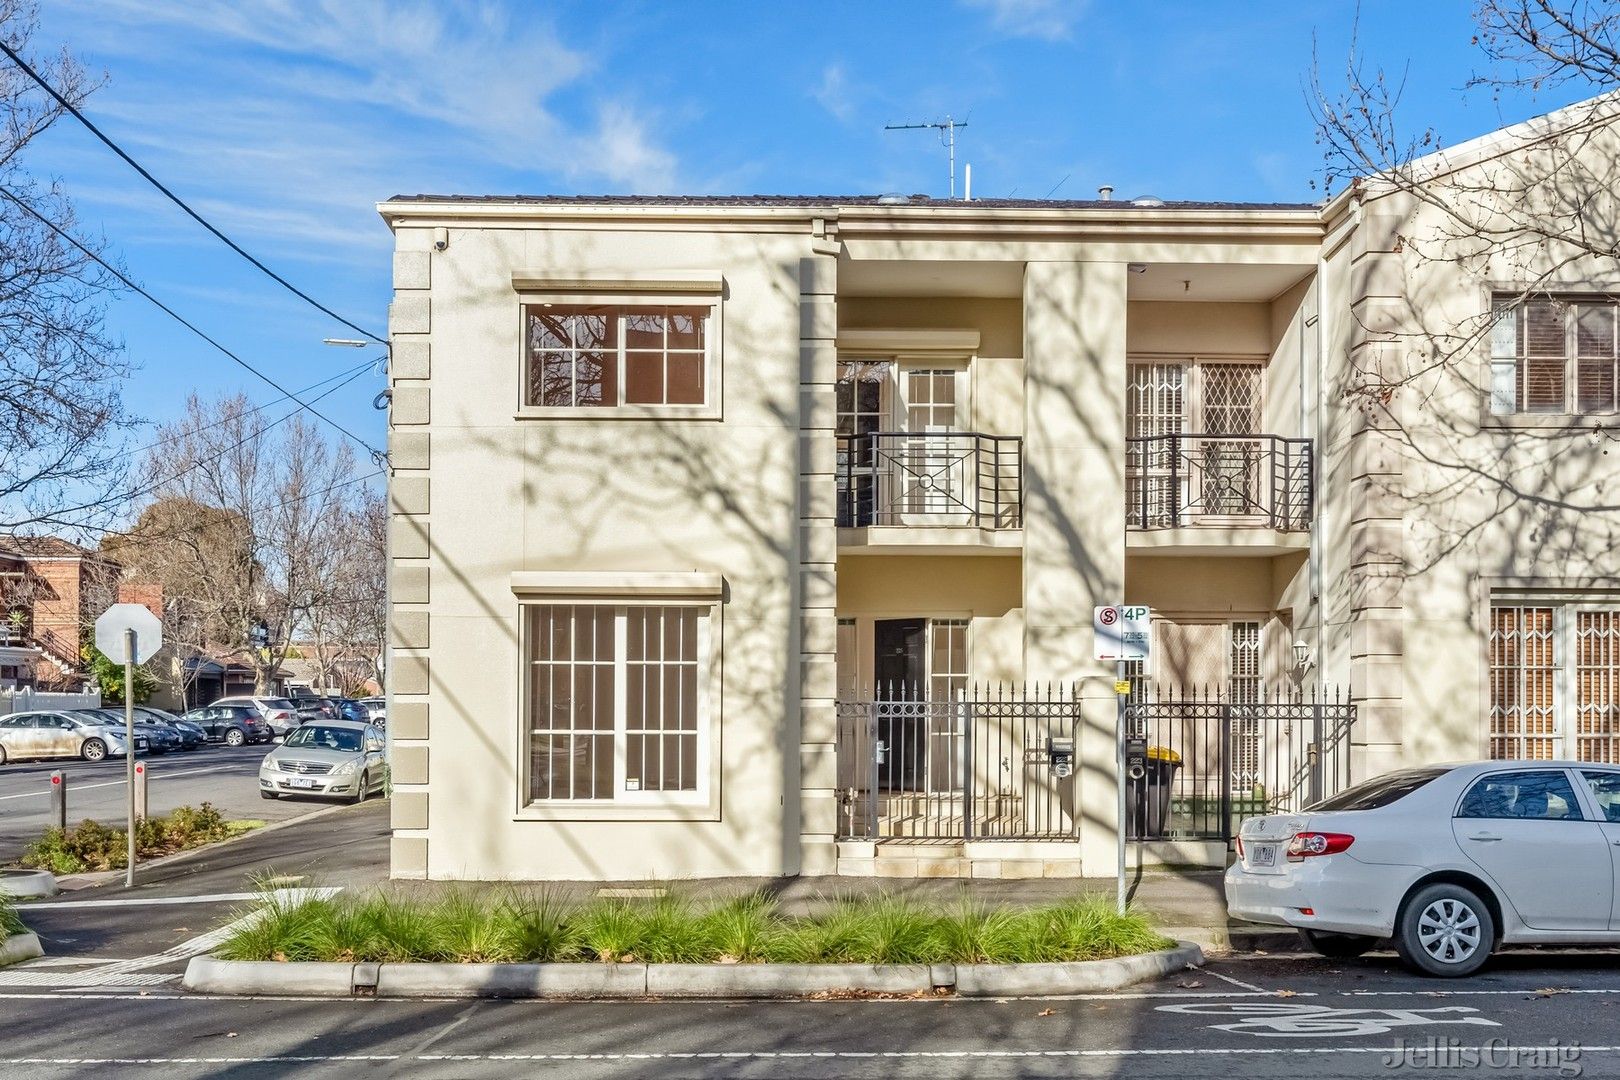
x=285 y=122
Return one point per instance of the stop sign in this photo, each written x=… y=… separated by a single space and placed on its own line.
x=113 y=627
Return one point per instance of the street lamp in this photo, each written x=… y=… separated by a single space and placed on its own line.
x=347 y=343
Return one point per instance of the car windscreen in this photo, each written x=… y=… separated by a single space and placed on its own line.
x=1379 y=791
x=317 y=736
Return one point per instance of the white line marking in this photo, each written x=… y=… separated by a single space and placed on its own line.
x=152 y=777
x=1239 y=982
x=215 y=898
x=1526 y=992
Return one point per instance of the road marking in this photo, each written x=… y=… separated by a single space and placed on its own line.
x=152 y=777
x=1286 y=1020
x=216 y=898
x=133 y=972
x=1239 y=982
x=1526 y=992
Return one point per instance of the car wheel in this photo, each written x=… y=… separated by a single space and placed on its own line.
x=93 y=750
x=2 y=755
x=234 y=737
x=1445 y=930
x=364 y=791
x=1337 y=946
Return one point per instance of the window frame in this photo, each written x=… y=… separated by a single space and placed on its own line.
x=1566 y=740
x=1500 y=298
x=1576 y=801
x=620 y=591
x=709 y=409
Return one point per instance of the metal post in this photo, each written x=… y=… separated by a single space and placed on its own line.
x=965 y=716
x=1119 y=763
x=59 y=800
x=1226 y=772
x=141 y=778
x=1175 y=480
x=1316 y=750
x=129 y=748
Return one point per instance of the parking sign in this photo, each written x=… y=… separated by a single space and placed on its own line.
x=1121 y=632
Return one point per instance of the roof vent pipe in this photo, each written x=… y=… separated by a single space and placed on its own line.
x=1106 y=192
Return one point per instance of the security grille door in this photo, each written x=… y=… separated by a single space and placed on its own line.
x=1597 y=686
x=1523 y=675
x=1231 y=468
x=1156 y=403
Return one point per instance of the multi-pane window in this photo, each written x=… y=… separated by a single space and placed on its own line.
x=948 y=660
x=1554 y=355
x=616 y=707
x=860 y=394
x=604 y=356
x=1208 y=474
x=1523 y=674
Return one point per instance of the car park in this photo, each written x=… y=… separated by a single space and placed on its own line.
x=192 y=736
x=327 y=758
x=351 y=710
x=278 y=713
x=160 y=737
x=377 y=707
x=233 y=725
x=1449 y=862
x=59 y=734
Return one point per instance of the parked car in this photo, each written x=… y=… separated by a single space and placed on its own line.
x=54 y=734
x=160 y=737
x=378 y=708
x=278 y=713
x=233 y=725
x=1448 y=861
x=315 y=708
x=192 y=736
x=330 y=758
x=351 y=710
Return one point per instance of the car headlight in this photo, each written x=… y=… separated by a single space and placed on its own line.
x=346 y=769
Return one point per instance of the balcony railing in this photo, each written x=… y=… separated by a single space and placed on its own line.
x=1223 y=481
x=930 y=479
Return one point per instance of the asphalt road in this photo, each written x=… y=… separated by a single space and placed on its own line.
x=1286 y=1017
x=224 y=776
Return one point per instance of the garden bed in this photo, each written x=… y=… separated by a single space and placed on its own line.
x=91 y=846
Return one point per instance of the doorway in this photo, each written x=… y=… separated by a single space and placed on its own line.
x=900 y=668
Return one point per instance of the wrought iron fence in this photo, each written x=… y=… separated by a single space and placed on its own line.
x=924 y=478
x=977 y=766
x=1212 y=761
x=1179 y=480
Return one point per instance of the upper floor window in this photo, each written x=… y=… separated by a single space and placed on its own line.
x=1554 y=354
x=595 y=356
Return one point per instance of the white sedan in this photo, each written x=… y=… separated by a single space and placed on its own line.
x=1448 y=861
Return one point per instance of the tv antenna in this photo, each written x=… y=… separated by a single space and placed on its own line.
x=947 y=137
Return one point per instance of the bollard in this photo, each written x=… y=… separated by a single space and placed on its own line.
x=140 y=790
x=59 y=800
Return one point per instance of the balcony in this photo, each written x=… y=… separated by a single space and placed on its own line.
x=1234 y=491
x=908 y=490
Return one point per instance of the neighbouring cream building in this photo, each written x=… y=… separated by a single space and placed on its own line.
x=712 y=516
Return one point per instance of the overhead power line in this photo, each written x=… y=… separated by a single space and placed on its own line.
x=181 y=203
x=188 y=324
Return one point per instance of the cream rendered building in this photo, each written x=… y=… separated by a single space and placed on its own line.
x=676 y=477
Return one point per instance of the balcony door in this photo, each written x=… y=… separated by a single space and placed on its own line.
x=932 y=464
x=1180 y=468
x=865 y=401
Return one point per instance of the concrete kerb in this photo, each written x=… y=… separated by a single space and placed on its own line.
x=19 y=947
x=24 y=884
x=209 y=975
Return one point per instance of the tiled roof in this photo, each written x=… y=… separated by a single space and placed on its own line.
x=848 y=200
x=42 y=547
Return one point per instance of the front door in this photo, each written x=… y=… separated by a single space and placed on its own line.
x=900 y=668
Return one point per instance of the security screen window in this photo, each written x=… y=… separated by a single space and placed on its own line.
x=602 y=357
x=1554 y=354
x=615 y=709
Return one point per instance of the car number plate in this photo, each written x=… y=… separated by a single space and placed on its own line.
x=1264 y=855
x=303 y=782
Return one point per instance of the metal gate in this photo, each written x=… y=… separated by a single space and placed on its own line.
x=979 y=765
x=1212 y=761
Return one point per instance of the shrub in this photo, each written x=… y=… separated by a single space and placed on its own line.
x=91 y=845
x=9 y=922
x=460 y=925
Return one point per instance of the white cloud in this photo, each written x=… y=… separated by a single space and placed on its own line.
x=1049 y=20
x=833 y=91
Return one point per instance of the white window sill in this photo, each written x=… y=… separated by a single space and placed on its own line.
x=619 y=811
x=1573 y=423
x=619 y=412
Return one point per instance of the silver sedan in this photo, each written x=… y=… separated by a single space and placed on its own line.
x=330 y=758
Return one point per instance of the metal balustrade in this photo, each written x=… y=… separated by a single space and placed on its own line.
x=930 y=479
x=1177 y=481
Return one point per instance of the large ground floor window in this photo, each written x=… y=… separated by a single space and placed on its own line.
x=617 y=705
x=1555 y=680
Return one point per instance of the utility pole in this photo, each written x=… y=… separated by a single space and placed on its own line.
x=947 y=137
